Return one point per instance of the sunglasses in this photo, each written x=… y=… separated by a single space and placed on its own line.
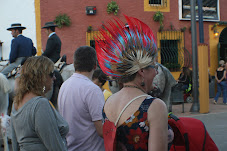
x=52 y=74
x=153 y=66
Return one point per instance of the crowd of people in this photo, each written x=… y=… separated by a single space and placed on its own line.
x=85 y=110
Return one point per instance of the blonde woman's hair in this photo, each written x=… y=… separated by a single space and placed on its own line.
x=33 y=77
x=221 y=62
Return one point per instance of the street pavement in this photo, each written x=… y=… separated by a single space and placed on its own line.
x=215 y=121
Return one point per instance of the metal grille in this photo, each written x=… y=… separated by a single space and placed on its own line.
x=162 y=3
x=173 y=54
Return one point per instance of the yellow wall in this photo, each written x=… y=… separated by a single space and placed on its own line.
x=164 y=8
x=213 y=42
x=38 y=27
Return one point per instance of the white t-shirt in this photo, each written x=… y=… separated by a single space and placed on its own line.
x=80 y=102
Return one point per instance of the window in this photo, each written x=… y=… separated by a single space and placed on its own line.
x=210 y=10
x=157 y=5
x=158 y=2
x=92 y=43
x=173 y=55
x=169 y=51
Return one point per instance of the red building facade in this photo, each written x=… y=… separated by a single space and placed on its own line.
x=76 y=35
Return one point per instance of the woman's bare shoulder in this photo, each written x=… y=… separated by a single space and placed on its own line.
x=157 y=109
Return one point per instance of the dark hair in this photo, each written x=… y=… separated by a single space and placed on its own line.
x=187 y=72
x=52 y=29
x=85 y=59
x=100 y=75
x=19 y=30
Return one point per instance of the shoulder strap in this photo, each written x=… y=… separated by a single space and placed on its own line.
x=128 y=105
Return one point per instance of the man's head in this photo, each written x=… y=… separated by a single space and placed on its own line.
x=16 y=29
x=50 y=27
x=15 y=32
x=99 y=77
x=85 y=59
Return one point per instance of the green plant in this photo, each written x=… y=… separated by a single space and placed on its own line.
x=89 y=28
x=183 y=29
x=112 y=7
x=161 y=27
x=214 y=26
x=62 y=20
x=171 y=27
x=158 y=17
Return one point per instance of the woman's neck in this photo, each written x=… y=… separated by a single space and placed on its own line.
x=26 y=98
x=133 y=85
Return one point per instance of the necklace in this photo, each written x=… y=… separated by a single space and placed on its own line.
x=133 y=86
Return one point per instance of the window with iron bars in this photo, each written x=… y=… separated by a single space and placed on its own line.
x=158 y=3
x=173 y=54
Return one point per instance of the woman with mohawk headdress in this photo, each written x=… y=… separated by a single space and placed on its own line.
x=140 y=120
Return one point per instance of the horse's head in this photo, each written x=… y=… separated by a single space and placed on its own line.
x=4 y=84
x=158 y=82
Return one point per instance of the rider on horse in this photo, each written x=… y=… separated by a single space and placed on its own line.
x=21 y=47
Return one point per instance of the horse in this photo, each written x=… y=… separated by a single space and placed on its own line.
x=163 y=83
x=50 y=95
x=5 y=88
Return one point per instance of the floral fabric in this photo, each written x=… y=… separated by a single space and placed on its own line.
x=133 y=134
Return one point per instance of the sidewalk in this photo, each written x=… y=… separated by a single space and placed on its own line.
x=213 y=108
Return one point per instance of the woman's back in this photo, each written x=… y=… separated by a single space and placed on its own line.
x=31 y=132
x=133 y=126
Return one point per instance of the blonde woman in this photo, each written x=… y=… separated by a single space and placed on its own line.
x=220 y=77
x=35 y=124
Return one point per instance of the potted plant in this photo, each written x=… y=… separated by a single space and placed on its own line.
x=183 y=29
x=89 y=28
x=112 y=7
x=161 y=27
x=158 y=17
x=62 y=20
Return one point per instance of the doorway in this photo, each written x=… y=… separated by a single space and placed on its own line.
x=222 y=46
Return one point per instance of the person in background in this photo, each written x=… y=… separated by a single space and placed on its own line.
x=21 y=47
x=129 y=55
x=53 y=46
x=80 y=102
x=36 y=125
x=100 y=78
x=220 y=77
x=185 y=78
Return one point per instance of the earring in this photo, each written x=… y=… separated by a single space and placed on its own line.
x=44 y=88
x=142 y=83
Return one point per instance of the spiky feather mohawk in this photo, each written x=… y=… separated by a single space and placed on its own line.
x=123 y=51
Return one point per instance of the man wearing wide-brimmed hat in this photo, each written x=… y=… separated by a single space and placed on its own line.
x=21 y=47
x=53 y=46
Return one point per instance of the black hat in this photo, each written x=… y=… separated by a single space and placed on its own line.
x=49 y=24
x=16 y=26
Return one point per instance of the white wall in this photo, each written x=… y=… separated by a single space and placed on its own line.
x=16 y=11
